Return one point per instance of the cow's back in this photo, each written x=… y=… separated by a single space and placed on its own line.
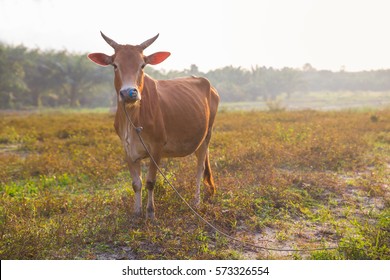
x=186 y=105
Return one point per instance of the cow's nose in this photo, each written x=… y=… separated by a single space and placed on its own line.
x=129 y=92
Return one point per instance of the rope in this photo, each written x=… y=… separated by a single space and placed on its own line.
x=245 y=243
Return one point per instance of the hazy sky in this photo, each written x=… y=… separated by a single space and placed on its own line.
x=211 y=34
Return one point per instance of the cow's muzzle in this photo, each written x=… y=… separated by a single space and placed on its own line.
x=130 y=95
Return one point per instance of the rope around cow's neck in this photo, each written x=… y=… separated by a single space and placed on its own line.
x=245 y=243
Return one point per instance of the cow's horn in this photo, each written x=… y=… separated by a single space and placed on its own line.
x=109 y=41
x=147 y=43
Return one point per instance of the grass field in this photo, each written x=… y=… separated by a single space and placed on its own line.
x=320 y=100
x=302 y=179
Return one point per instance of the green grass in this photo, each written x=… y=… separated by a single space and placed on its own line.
x=300 y=179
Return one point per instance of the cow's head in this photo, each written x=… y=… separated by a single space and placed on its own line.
x=128 y=62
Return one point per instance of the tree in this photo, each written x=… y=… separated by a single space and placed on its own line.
x=41 y=76
x=12 y=86
x=308 y=68
x=230 y=82
x=78 y=78
x=193 y=71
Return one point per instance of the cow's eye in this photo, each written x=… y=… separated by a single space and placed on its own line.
x=143 y=66
x=115 y=66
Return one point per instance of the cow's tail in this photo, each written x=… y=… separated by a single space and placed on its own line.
x=208 y=177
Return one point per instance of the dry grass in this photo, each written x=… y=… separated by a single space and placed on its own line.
x=285 y=179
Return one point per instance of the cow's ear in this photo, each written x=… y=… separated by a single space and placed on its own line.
x=157 y=57
x=100 y=58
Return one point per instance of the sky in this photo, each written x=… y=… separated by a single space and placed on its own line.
x=328 y=34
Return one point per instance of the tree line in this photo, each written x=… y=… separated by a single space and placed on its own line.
x=32 y=78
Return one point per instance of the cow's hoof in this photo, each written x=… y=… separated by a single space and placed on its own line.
x=151 y=216
x=137 y=214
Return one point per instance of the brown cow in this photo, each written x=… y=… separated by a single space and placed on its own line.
x=177 y=116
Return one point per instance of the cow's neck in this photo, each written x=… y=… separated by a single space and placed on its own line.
x=132 y=114
x=144 y=113
x=148 y=106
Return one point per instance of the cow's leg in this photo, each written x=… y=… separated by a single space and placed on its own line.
x=208 y=177
x=204 y=170
x=201 y=157
x=150 y=183
x=135 y=172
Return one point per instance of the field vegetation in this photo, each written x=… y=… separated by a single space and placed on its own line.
x=290 y=180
